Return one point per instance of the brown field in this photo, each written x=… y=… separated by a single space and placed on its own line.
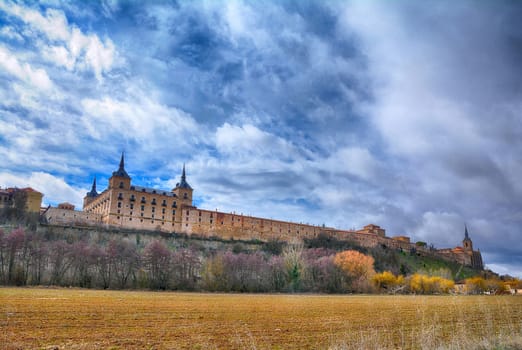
x=90 y=319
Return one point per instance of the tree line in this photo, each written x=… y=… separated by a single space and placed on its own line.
x=27 y=258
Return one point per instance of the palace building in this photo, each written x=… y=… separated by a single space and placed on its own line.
x=127 y=206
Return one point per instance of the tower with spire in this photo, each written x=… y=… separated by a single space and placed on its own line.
x=183 y=190
x=120 y=178
x=467 y=244
x=91 y=195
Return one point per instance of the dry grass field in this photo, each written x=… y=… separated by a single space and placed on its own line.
x=91 y=319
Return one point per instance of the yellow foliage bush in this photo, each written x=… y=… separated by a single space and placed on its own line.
x=387 y=280
x=355 y=264
x=423 y=284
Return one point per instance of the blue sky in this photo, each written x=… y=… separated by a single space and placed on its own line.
x=402 y=114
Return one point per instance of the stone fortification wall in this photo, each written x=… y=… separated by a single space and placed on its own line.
x=58 y=216
x=236 y=226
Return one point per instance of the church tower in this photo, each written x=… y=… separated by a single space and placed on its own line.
x=91 y=195
x=183 y=190
x=467 y=243
x=120 y=178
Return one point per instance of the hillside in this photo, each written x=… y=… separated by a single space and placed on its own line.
x=97 y=258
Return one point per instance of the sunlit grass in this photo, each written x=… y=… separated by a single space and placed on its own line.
x=87 y=319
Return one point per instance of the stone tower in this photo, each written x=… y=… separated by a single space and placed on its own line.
x=91 y=195
x=183 y=190
x=467 y=244
x=120 y=178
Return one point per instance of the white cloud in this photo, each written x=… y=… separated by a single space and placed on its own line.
x=37 y=77
x=67 y=45
x=11 y=33
x=247 y=140
x=141 y=118
x=55 y=189
x=352 y=160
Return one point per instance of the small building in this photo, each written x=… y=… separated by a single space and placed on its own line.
x=9 y=197
x=66 y=206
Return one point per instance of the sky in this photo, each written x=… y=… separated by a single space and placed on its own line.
x=404 y=114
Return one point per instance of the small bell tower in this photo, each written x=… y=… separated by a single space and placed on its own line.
x=120 y=178
x=91 y=195
x=467 y=243
x=183 y=190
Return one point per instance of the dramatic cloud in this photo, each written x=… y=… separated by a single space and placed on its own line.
x=402 y=114
x=64 y=45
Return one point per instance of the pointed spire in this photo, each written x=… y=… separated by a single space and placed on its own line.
x=466 y=235
x=121 y=170
x=122 y=162
x=93 y=192
x=183 y=183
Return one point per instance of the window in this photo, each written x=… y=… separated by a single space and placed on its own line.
x=132 y=198
x=185 y=196
x=121 y=184
x=143 y=200
x=174 y=205
x=210 y=220
x=119 y=204
x=164 y=203
x=188 y=212
x=153 y=201
x=131 y=213
x=199 y=213
x=173 y=212
x=199 y=219
x=132 y=206
x=118 y=211
x=120 y=196
x=142 y=207
x=163 y=211
x=153 y=209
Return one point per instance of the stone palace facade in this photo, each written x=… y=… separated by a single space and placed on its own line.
x=127 y=206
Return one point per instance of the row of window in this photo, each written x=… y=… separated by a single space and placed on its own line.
x=153 y=209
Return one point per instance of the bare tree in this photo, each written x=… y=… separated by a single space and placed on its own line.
x=124 y=260
x=157 y=260
x=186 y=265
x=103 y=265
x=82 y=261
x=15 y=244
x=60 y=261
